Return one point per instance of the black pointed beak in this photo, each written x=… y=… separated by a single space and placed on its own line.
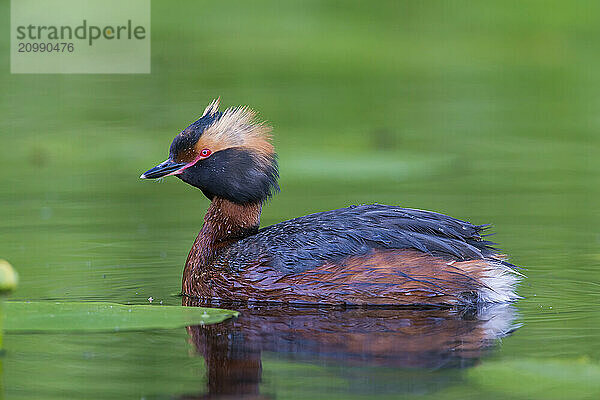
x=165 y=168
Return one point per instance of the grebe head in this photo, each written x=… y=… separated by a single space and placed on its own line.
x=226 y=154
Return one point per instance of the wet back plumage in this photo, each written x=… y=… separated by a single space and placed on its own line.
x=306 y=242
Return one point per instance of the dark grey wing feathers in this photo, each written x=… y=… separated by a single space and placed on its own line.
x=309 y=241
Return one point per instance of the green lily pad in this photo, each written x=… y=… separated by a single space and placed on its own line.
x=388 y=167
x=103 y=317
x=540 y=379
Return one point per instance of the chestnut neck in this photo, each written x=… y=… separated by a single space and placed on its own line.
x=225 y=222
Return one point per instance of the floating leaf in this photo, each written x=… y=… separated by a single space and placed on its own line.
x=540 y=379
x=383 y=167
x=103 y=317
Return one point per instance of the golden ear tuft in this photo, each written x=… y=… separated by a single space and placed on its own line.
x=238 y=127
x=213 y=107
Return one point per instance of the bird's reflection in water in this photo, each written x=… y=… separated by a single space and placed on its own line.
x=399 y=338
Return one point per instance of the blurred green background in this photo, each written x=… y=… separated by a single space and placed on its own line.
x=487 y=111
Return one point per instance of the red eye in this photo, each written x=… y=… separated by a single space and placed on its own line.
x=205 y=153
